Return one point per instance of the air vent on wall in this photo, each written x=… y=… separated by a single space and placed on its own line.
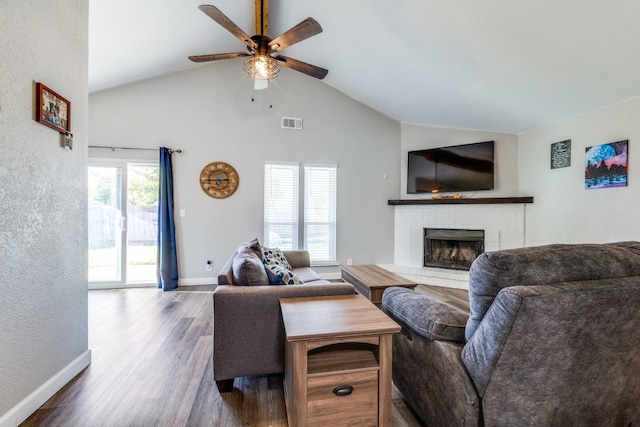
x=291 y=123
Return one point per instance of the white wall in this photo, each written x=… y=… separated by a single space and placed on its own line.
x=563 y=211
x=43 y=242
x=207 y=112
x=415 y=137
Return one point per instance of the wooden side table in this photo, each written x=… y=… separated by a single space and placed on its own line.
x=371 y=280
x=338 y=361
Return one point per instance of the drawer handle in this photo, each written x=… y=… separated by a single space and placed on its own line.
x=343 y=390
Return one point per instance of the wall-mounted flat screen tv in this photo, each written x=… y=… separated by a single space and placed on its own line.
x=459 y=168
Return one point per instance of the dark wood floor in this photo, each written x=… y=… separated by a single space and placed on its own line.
x=152 y=366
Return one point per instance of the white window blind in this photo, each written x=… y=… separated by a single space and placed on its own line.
x=320 y=213
x=314 y=226
x=281 y=192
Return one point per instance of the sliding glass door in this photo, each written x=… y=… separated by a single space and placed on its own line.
x=123 y=223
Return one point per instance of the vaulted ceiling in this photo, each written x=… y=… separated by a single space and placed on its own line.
x=498 y=65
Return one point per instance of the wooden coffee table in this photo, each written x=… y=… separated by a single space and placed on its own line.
x=371 y=280
x=338 y=361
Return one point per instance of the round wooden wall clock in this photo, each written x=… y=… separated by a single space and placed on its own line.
x=219 y=180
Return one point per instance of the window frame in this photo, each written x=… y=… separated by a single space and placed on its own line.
x=301 y=227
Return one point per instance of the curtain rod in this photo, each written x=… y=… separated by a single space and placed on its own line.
x=132 y=148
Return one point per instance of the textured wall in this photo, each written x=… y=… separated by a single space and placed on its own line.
x=43 y=285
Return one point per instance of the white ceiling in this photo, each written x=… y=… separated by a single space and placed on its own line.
x=498 y=65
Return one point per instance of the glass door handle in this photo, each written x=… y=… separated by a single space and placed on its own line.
x=121 y=223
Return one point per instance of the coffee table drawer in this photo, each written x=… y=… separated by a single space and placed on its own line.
x=360 y=407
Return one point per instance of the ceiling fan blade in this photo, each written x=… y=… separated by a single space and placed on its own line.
x=215 y=14
x=307 y=28
x=262 y=17
x=217 y=56
x=303 y=67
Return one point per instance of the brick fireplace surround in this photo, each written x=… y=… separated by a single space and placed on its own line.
x=503 y=223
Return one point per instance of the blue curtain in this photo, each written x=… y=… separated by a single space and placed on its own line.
x=167 y=266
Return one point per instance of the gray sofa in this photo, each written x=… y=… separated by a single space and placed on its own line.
x=553 y=339
x=248 y=332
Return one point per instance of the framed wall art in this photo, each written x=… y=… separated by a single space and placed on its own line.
x=52 y=109
x=561 y=154
x=605 y=165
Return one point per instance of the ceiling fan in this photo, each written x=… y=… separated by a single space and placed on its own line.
x=263 y=57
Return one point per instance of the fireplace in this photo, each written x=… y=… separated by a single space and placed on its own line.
x=452 y=248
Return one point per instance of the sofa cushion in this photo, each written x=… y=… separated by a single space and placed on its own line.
x=248 y=269
x=254 y=246
x=424 y=315
x=306 y=274
x=278 y=274
x=545 y=265
x=297 y=259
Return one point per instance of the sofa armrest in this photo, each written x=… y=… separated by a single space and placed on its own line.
x=424 y=315
x=225 y=277
x=434 y=381
x=427 y=361
x=248 y=332
x=298 y=259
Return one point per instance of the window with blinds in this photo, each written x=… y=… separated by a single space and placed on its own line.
x=320 y=213
x=300 y=209
x=281 y=194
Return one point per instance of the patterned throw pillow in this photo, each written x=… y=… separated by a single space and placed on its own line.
x=278 y=268
x=280 y=275
x=276 y=255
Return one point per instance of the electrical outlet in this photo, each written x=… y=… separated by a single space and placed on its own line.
x=209 y=265
x=349 y=261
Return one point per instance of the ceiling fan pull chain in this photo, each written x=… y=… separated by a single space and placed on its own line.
x=253 y=89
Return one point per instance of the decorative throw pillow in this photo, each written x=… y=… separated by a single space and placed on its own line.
x=280 y=275
x=248 y=269
x=278 y=268
x=274 y=254
x=254 y=245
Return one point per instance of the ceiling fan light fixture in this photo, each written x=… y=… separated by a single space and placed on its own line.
x=261 y=67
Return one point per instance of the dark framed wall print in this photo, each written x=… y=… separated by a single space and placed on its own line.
x=606 y=165
x=52 y=109
x=561 y=154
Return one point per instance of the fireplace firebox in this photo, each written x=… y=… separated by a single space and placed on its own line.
x=454 y=249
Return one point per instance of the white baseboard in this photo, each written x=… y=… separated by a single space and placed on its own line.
x=181 y=282
x=105 y=286
x=35 y=400
x=198 y=281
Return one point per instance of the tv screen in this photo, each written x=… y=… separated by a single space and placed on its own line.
x=451 y=169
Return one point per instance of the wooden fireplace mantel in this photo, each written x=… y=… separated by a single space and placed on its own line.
x=463 y=201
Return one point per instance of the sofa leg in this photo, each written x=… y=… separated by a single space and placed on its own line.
x=225 y=386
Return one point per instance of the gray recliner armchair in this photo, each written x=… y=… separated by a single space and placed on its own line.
x=553 y=339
